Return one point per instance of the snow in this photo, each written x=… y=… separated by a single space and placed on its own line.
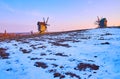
x=59 y=56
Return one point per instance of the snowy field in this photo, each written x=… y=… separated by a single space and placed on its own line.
x=87 y=54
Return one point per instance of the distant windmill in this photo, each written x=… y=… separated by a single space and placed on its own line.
x=102 y=23
x=42 y=26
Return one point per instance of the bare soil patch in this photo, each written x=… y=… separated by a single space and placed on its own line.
x=25 y=50
x=72 y=75
x=84 y=66
x=60 y=44
x=61 y=54
x=57 y=74
x=105 y=43
x=40 y=64
x=3 y=53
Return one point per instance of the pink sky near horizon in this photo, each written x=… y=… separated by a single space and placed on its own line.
x=23 y=15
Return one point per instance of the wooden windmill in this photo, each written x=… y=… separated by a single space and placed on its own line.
x=102 y=23
x=42 y=26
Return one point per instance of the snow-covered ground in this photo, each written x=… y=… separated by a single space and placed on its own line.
x=87 y=54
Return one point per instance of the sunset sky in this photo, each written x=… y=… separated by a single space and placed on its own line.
x=23 y=15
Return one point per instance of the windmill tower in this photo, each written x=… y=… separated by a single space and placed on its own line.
x=42 y=26
x=102 y=23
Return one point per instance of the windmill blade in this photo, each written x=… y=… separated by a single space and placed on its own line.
x=43 y=19
x=48 y=24
x=98 y=18
x=47 y=20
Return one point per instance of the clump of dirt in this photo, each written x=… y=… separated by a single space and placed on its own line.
x=24 y=41
x=66 y=40
x=25 y=50
x=105 y=43
x=61 y=54
x=63 y=40
x=40 y=64
x=3 y=54
x=61 y=67
x=55 y=65
x=50 y=59
x=33 y=46
x=43 y=54
x=72 y=75
x=106 y=34
x=43 y=47
x=73 y=34
x=83 y=37
x=9 y=69
x=95 y=56
x=84 y=66
x=60 y=44
x=57 y=74
x=52 y=70
x=36 y=58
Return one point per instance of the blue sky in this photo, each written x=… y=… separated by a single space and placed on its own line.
x=22 y=15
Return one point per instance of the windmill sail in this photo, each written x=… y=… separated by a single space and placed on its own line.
x=47 y=20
